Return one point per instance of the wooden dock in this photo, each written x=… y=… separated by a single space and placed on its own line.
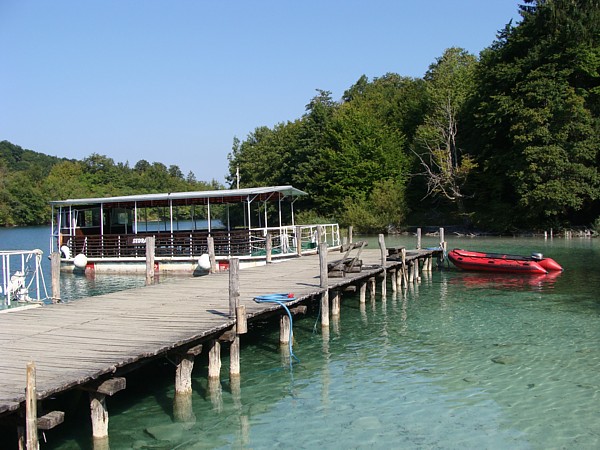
x=84 y=342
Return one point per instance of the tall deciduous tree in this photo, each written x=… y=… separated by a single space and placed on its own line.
x=537 y=115
x=449 y=83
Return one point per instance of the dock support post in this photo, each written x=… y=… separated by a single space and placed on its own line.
x=404 y=268
x=55 y=270
x=383 y=264
x=284 y=329
x=372 y=287
x=394 y=280
x=150 y=244
x=350 y=229
x=268 y=247
x=234 y=357
x=335 y=303
x=363 y=291
x=99 y=411
x=418 y=239
x=324 y=284
x=31 y=429
x=182 y=402
x=214 y=360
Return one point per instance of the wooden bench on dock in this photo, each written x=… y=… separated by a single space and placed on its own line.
x=394 y=253
x=347 y=264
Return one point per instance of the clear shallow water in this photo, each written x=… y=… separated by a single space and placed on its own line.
x=461 y=360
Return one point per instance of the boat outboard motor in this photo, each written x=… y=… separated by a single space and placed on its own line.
x=537 y=256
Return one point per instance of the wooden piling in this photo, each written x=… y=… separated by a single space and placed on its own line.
x=350 y=229
x=372 y=287
x=183 y=374
x=31 y=429
x=383 y=264
x=335 y=303
x=55 y=273
x=241 y=320
x=214 y=360
x=269 y=247
x=363 y=291
x=418 y=239
x=324 y=284
x=210 y=241
x=299 y=240
x=234 y=357
x=234 y=286
x=284 y=329
x=150 y=250
x=99 y=410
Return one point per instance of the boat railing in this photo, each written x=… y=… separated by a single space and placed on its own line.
x=22 y=277
x=192 y=244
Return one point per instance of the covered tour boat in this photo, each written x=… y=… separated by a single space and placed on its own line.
x=497 y=262
x=109 y=234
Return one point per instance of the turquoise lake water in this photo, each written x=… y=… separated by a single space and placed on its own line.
x=460 y=360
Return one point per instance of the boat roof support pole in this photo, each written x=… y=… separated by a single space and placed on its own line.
x=171 y=214
x=135 y=220
x=228 y=223
x=266 y=220
x=101 y=219
x=249 y=218
x=292 y=205
x=208 y=213
x=280 y=224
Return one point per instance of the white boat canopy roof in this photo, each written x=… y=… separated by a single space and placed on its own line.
x=271 y=193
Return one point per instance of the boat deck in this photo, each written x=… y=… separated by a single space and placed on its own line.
x=78 y=342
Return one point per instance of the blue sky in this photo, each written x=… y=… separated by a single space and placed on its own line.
x=174 y=81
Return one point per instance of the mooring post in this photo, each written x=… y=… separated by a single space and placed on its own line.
x=210 y=242
x=234 y=286
x=55 y=271
x=418 y=239
x=268 y=247
x=350 y=229
x=299 y=240
x=150 y=247
x=383 y=264
x=214 y=360
x=324 y=284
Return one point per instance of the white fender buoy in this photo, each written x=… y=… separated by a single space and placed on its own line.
x=65 y=252
x=204 y=261
x=80 y=261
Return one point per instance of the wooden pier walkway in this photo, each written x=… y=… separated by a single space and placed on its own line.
x=77 y=343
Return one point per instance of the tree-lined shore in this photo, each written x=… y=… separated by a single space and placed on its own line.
x=506 y=140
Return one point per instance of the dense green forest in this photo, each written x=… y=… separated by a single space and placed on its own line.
x=507 y=140
x=29 y=180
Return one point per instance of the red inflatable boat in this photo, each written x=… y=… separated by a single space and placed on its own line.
x=497 y=262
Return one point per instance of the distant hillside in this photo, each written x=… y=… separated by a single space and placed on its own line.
x=16 y=158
